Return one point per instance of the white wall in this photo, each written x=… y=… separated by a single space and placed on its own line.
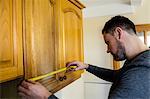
x=95 y=49
x=73 y=91
x=96 y=91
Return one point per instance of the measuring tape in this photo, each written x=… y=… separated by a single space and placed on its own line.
x=52 y=73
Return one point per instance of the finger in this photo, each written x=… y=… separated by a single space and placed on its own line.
x=78 y=68
x=23 y=90
x=67 y=64
x=26 y=84
x=39 y=83
x=21 y=94
x=23 y=84
x=72 y=63
x=70 y=69
x=30 y=81
x=33 y=82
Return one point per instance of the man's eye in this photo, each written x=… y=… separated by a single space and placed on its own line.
x=107 y=43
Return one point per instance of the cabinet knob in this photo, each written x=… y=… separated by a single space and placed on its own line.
x=61 y=78
x=65 y=77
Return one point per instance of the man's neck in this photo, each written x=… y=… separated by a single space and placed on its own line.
x=135 y=47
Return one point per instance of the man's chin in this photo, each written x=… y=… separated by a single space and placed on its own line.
x=118 y=59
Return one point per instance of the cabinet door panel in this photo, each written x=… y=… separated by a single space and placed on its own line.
x=72 y=36
x=39 y=37
x=6 y=38
x=10 y=40
x=72 y=31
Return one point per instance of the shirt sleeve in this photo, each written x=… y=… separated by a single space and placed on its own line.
x=105 y=74
x=52 y=97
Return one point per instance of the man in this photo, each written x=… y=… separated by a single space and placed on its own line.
x=132 y=81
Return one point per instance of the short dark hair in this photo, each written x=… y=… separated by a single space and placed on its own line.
x=119 y=21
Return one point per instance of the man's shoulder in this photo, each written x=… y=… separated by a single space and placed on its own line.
x=134 y=83
x=141 y=60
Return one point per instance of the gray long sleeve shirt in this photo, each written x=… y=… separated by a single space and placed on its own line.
x=132 y=81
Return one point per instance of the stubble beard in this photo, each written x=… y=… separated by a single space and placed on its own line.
x=120 y=55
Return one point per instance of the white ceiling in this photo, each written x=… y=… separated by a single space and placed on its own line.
x=109 y=7
x=89 y=3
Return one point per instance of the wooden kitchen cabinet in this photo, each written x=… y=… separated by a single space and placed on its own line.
x=52 y=37
x=38 y=37
x=11 y=57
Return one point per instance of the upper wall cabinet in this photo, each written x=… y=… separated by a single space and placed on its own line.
x=11 y=57
x=40 y=36
x=52 y=36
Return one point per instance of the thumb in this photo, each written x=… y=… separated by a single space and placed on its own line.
x=78 y=68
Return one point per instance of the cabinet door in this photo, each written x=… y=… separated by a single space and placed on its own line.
x=47 y=34
x=11 y=63
x=39 y=37
x=71 y=27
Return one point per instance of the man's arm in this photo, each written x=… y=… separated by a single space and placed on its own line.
x=34 y=90
x=52 y=97
x=105 y=74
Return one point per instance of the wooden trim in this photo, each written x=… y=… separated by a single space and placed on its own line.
x=72 y=10
x=145 y=37
x=55 y=85
x=77 y=3
x=116 y=65
x=142 y=27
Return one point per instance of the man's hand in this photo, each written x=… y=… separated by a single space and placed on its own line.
x=80 y=65
x=33 y=90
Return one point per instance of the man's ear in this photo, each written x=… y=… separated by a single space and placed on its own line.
x=118 y=33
